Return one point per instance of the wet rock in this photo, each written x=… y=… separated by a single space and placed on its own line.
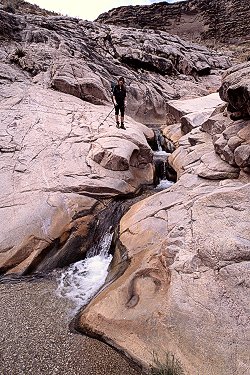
x=183 y=255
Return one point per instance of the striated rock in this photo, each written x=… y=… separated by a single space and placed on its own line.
x=187 y=275
x=187 y=269
x=192 y=19
x=81 y=58
x=196 y=106
x=47 y=175
x=242 y=156
x=235 y=90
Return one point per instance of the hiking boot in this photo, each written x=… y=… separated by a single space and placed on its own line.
x=117 y=124
x=122 y=126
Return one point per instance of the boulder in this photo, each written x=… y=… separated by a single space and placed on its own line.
x=235 y=136
x=79 y=80
x=196 y=106
x=213 y=168
x=235 y=90
x=242 y=156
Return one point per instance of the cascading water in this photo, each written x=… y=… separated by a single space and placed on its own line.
x=82 y=280
x=160 y=157
x=158 y=140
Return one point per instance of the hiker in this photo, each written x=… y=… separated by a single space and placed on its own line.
x=119 y=95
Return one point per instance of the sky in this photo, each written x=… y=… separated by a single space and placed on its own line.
x=88 y=9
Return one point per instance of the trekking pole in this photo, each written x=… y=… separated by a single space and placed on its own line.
x=107 y=116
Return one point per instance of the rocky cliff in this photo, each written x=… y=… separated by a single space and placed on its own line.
x=185 y=288
x=57 y=139
x=183 y=253
x=213 y=20
x=23 y=7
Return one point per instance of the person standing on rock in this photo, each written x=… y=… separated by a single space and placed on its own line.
x=119 y=95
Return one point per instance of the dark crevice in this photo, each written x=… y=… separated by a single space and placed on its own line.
x=148 y=66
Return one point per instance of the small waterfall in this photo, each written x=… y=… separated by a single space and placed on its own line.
x=162 y=174
x=158 y=137
x=82 y=280
x=162 y=171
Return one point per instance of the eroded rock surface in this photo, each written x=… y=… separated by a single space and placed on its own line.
x=192 y=19
x=185 y=289
x=235 y=90
x=49 y=167
x=60 y=153
x=81 y=58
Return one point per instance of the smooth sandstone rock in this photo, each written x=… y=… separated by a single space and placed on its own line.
x=81 y=58
x=178 y=280
x=185 y=281
x=184 y=289
x=46 y=138
x=180 y=108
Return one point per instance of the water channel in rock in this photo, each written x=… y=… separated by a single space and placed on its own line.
x=45 y=302
x=82 y=280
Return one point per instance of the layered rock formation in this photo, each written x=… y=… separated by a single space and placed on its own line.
x=23 y=7
x=53 y=148
x=185 y=282
x=56 y=142
x=185 y=290
x=224 y=20
x=82 y=58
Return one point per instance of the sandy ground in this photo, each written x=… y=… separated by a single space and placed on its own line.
x=35 y=338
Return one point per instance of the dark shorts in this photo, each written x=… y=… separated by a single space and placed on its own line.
x=120 y=107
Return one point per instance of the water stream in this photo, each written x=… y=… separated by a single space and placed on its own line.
x=82 y=280
x=163 y=180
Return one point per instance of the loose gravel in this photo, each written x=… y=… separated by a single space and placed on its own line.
x=35 y=337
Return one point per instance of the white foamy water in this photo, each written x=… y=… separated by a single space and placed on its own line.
x=82 y=280
x=161 y=153
x=164 y=184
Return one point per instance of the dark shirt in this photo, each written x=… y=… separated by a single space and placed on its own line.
x=119 y=94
